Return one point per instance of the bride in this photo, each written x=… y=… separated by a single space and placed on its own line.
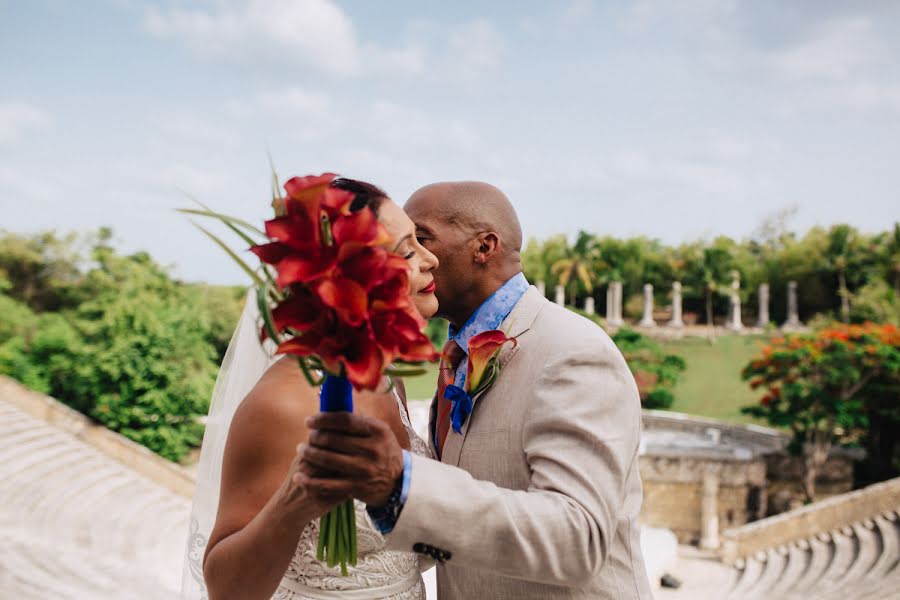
x=253 y=527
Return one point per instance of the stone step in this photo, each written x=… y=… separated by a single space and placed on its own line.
x=797 y=563
x=77 y=524
x=889 y=561
x=821 y=553
x=774 y=567
x=869 y=548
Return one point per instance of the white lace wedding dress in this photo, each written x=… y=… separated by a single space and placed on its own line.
x=379 y=573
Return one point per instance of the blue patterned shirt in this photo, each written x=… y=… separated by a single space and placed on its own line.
x=487 y=317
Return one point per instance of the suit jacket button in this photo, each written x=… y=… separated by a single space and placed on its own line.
x=419 y=548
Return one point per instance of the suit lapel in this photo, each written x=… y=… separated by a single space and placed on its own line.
x=518 y=322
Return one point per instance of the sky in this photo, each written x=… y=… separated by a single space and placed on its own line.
x=674 y=120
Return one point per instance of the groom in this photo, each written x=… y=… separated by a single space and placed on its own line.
x=536 y=494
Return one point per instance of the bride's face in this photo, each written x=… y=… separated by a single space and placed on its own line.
x=422 y=263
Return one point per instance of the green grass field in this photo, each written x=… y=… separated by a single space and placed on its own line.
x=422 y=387
x=711 y=386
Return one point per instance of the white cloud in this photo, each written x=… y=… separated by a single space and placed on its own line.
x=189 y=130
x=836 y=50
x=316 y=33
x=873 y=96
x=306 y=115
x=407 y=127
x=577 y=11
x=290 y=101
x=475 y=48
x=695 y=14
x=19 y=118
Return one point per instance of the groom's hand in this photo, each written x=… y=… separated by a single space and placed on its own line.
x=362 y=452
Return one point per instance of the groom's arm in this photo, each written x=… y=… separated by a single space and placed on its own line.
x=581 y=441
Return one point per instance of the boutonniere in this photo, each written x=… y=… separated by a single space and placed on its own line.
x=482 y=371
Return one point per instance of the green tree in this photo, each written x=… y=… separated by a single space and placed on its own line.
x=122 y=341
x=840 y=240
x=576 y=267
x=709 y=269
x=40 y=270
x=835 y=386
x=539 y=257
x=889 y=254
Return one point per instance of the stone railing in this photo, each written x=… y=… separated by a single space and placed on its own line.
x=121 y=449
x=808 y=522
x=763 y=439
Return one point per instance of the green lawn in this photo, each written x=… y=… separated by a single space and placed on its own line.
x=422 y=387
x=711 y=386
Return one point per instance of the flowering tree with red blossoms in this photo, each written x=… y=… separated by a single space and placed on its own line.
x=838 y=385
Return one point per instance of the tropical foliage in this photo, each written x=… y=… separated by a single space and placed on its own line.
x=838 y=386
x=655 y=372
x=832 y=268
x=113 y=336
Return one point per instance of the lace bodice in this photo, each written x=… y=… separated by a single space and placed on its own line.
x=375 y=568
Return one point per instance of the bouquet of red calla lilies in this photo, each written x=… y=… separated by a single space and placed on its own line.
x=331 y=295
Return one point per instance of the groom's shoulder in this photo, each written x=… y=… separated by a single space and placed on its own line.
x=559 y=327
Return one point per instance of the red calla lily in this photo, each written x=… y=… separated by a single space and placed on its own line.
x=483 y=348
x=346 y=298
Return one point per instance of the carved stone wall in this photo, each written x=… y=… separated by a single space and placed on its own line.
x=673 y=493
x=754 y=476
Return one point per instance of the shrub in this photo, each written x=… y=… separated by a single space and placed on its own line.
x=655 y=372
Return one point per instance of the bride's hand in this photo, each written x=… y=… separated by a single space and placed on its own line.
x=300 y=492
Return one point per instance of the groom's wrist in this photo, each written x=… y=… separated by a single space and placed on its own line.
x=385 y=516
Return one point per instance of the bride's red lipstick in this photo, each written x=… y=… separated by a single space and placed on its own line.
x=428 y=289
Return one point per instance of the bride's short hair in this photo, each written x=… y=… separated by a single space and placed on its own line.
x=367 y=195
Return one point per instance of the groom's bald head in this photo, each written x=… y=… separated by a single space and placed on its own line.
x=472 y=205
x=473 y=229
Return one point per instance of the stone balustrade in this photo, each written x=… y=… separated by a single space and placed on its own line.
x=817 y=520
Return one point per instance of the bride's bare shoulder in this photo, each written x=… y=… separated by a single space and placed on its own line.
x=280 y=401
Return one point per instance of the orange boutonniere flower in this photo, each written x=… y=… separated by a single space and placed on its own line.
x=483 y=369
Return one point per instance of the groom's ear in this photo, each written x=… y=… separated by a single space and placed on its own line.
x=488 y=246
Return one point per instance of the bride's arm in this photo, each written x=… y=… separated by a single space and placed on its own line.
x=262 y=510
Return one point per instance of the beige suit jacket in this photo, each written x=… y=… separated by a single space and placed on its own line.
x=539 y=495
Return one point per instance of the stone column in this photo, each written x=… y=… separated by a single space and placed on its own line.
x=709 y=509
x=610 y=305
x=542 y=288
x=763 y=319
x=676 y=306
x=647 y=319
x=619 y=317
x=793 y=318
x=614 y=317
x=589 y=305
x=560 y=295
x=734 y=302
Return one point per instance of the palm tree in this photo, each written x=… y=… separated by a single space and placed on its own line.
x=577 y=266
x=836 y=257
x=711 y=268
x=892 y=257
